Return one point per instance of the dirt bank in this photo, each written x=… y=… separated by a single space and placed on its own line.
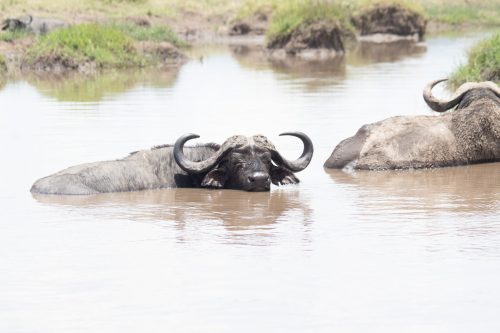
x=317 y=40
x=390 y=20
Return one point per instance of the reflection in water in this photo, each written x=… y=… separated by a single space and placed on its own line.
x=467 y=189
x=312 y=74
x=75 y=87
x=364 y=53
x=238 y=211
x=309 y=68
x=316 y=75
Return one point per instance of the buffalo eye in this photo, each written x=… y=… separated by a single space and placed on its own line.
x=238 y=160
x=265 y=157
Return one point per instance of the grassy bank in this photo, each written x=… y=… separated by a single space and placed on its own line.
x=483 y=63
x=103 y=46
x=79 y=44
x=290 y=15
x=294 y=14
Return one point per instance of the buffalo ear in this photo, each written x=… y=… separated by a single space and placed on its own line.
x=5 y=24
x=282 y=176
x=216 y=178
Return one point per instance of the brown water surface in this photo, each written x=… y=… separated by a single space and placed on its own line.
x=347 y=252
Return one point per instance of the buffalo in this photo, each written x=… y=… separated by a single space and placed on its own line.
x=37 y=25
x=467 y=135
x=243 y=163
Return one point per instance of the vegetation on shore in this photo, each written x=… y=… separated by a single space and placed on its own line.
x=287 y=18
x=118 y=42
x=483 y=63
x=159 y=33
x=290 y=16
x=105 y=46
x=475 y=12
x=450 y=12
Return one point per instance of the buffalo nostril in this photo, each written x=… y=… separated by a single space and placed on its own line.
x=258 y=177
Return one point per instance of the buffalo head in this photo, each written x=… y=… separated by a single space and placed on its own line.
x=245 y=163
x=20 y=23
x=466 y=94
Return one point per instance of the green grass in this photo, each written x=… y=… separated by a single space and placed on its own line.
x=105 y=46
x=294 y=14
x=150 y=33
x=9 y=36
x=459 y=12
x=483 y=63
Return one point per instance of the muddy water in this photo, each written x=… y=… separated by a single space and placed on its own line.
x=349 y=252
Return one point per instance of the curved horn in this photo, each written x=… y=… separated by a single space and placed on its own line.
x=443 y=105
x=303 y=161
x=26 y=20
x=196 y=167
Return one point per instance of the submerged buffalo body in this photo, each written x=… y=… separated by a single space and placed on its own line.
x=245 y=163
x=37 y=25
x=469 y=134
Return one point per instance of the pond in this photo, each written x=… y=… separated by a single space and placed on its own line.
x=350 y=252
